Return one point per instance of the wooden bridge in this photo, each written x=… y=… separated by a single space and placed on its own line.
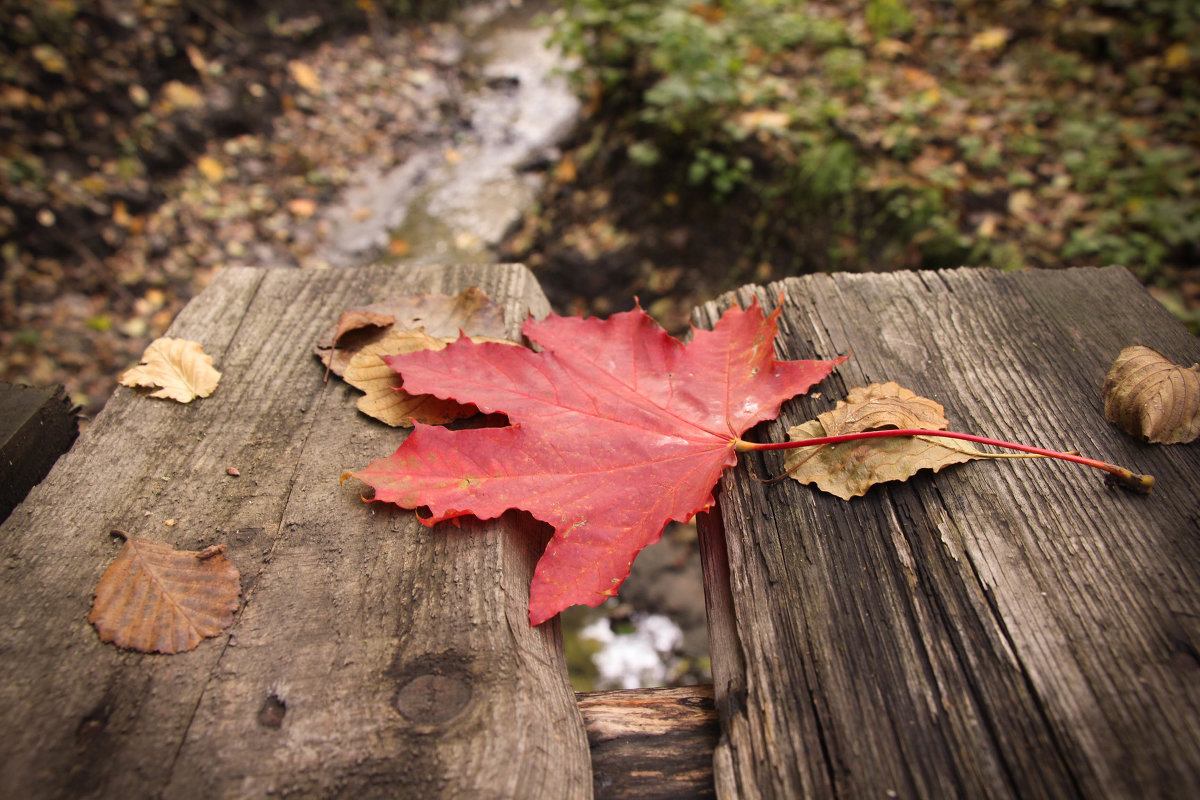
x=995 y=630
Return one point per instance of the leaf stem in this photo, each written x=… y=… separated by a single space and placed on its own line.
x=1121 y=476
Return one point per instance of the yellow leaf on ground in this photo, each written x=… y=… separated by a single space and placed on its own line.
x=988 y=40
x=178 y=366
x=302 y=207
x=765 y=119
x=154 y=598
x=1177 y=57
x=210 y=168
x=304 y=76
x=179 y=95
x=50 y=58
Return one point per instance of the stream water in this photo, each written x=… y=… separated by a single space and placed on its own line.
x=453 y=201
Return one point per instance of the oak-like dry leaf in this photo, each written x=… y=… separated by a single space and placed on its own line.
x=1149 y=397
x=441 y=316
x=178 y=367
x=851 y=468
x=154 y=598
x=384 y=399
x=883 y=405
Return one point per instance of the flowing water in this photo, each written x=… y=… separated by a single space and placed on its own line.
x=454 y=201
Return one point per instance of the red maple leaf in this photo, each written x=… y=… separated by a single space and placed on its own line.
x=616 y=429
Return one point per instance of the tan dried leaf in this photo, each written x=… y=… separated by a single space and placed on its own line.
x=356 y=319
x=154 y=598
x=1149 y=397
x=384 y=399
x=851 y=468
x=883 y=405
x=178 y=95
x=178 y=366
x=441 y=316
x=305 y=76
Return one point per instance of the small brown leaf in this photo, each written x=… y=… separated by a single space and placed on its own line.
x=355 y=320
x=441 y=316
x=851 y=468
x=361 y=318
x=305 y=76
x=154 y=598
x=178 y=366
x=883 y=405
x=384 y=399
x=1149 y=397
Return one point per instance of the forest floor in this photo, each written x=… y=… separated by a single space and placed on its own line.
x=254 y=136
x=102 y=249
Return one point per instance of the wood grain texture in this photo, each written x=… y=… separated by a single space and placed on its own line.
x=1001 y=629
x=372 y=657
x=652 y=744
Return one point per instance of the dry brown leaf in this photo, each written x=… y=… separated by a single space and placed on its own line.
x=1149 y=397
x=178 y=366
x=211 y=169
x=154 y=598
x=989 y=40
x=883 y=405
x=851 y=468
x=441 y=316
x=356 y=319
x=384 y=399
x=305 y=76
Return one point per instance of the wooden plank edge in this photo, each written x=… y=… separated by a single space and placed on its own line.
x=651 y=743
x=39 y=425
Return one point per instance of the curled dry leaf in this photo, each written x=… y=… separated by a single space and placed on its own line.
x=356 y=319
x=441 y=316
x=384 y=399
x=154 y=598
x=179 y=367
x=851 y=468
x=1149 y=397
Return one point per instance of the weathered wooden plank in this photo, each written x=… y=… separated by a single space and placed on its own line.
x=371 y=657
x=1000 y=629
x=37 y=425
x=652 y=744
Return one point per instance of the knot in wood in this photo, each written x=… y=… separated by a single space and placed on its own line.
x=433 y=698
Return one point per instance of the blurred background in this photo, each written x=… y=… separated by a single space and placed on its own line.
x=665 y=149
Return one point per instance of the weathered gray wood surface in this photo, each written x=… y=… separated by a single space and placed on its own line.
x=37 y=425
x=372 y=657
x=1000 y=629
x=652 y=744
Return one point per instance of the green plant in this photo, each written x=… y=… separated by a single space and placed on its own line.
x=888 y=17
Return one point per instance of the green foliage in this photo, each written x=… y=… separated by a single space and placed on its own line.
x=888 y=17
x=684 y=70
x=885 y=133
